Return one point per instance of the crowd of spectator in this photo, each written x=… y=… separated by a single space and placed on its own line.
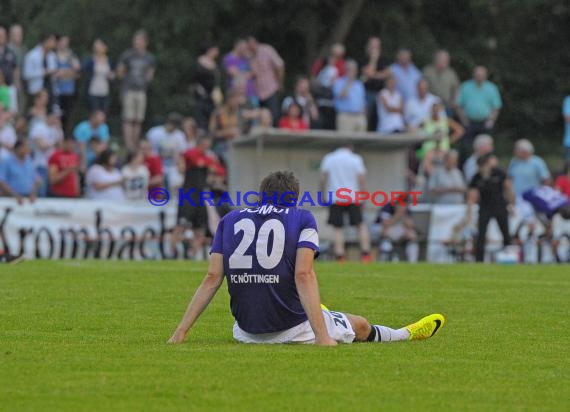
x=42 y=154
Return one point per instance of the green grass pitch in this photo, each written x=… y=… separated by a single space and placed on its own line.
x=92 y=336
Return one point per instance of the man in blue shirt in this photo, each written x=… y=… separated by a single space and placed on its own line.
x=18 y=177
x=527 y=171
x=350 y=101
x=566 y=114
x=478 y=106
x=407 y=75
x=94 y=127
x=266 y=254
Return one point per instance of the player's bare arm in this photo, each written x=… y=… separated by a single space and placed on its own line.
x=202 y=298
x=308 y=288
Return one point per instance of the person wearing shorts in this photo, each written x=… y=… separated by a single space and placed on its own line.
x=342 y=174
x=266 y=254
x=136 y=68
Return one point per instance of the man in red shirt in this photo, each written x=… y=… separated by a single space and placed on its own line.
x=200 y=163
x=154 y=165
x=63 y=170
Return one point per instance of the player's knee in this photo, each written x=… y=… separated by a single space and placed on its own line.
x=361 y=327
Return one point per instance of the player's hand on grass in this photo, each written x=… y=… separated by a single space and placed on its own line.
x=325 y=341
x=177 y=338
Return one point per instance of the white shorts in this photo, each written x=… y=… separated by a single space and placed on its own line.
x=338 y=326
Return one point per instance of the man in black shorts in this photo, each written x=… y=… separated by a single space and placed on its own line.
x=343 y=173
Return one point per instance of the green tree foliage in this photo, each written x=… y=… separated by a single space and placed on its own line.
x=523 y=42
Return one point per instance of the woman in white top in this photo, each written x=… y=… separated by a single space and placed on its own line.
x=390 y=108
x=104 y=181
x=135 y=176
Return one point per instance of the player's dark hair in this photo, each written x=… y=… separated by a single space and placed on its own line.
x=277 y=185
x=105 y=157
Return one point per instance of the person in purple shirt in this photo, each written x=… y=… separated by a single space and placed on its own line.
x=266 y=253
x=237 y=68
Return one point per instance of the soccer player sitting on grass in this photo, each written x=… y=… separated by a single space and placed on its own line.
x=267 y=253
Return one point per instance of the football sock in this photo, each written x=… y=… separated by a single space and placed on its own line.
x=380 y=333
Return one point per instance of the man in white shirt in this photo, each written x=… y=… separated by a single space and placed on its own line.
x=7 y=134
x=169 y=142
x=418 y=109
x=40 y=64
x=343 y=169
x=44 y=136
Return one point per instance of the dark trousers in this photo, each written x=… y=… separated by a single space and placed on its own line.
x=272 y=104
x=98 y=103
x=372 y=110
x=466 y=143
x=485 y=216
x=65 y=102
x=204 y=108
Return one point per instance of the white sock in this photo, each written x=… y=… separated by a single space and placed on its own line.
x=381 y=333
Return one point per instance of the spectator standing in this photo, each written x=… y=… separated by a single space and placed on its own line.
x=44 y=138
x=446 y=183
x=225 y=123
x=103 y=180
x=9 y=66
x=566 y=115
x=325 y=81
x=98 y=70
x=63 y=170
x=40 y=64
x=205 y=85
x=18 y=177
x=336 y=53
x=406 y=73
x=17 y=45
x=562 y=183
x=443 y=80
x=154 y=165
x=390 y=108
x=169 y=142
x=343 y=169
x=350 y=101
x=303 y=98
x=442 y=132
x=527 y=171
x=68 y=67
x=136 y=68
x=198 y=162
x=478 y=108
x=491 y=189
x=375 y=69
x=269 y=70
x=482 y=145
x=237 y=67
x=88 y=130
x=135 y=176
x=418 y=109
x=293 y=120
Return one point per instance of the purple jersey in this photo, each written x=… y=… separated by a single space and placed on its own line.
x=259 y=246
x=546 y=200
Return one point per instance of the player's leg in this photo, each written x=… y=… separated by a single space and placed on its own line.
x=422 y=329
x=503 y=222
